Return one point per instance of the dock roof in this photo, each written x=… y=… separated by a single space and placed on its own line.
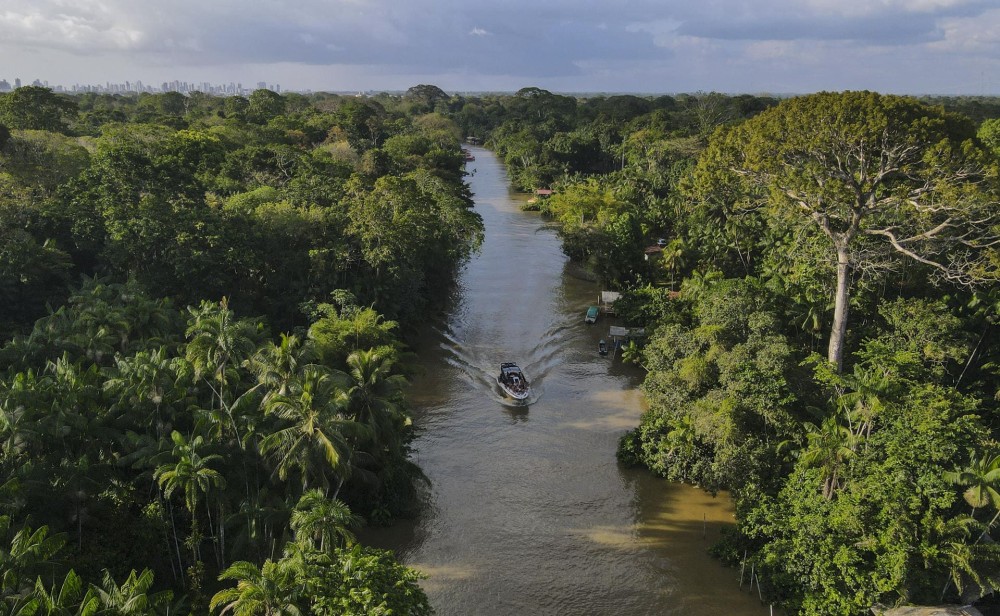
x=920 y=610
x=616 y=331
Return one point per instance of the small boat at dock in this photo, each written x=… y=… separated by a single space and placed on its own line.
x=602 y=348
x=592 y=313
x=513 y=381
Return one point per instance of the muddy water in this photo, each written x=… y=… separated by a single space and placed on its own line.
x=528 y=511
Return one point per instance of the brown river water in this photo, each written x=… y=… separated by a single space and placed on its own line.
x=528 y=512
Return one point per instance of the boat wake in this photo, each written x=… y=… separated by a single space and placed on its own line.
x=478 y=364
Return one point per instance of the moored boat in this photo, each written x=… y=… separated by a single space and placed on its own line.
x=513 y=381
x=592 y=313
x=602 y=347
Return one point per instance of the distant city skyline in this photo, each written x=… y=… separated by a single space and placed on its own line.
x=768 y=46
x=138 y=86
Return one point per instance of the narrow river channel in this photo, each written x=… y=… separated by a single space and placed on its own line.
x=528 y=511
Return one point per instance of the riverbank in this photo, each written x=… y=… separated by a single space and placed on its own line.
x=528 y=510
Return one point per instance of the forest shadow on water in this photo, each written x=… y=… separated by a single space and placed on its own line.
x=685 y=521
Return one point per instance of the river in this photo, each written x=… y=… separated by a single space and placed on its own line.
x=528 y=511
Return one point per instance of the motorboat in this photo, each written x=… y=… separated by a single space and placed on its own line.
x=602 y=347
x=592 y=313
x=513 y=381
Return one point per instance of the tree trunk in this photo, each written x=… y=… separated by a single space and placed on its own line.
x=336 y=491
x=173 y=526
x=835 y=354
x=213 y=532
x=222 y=535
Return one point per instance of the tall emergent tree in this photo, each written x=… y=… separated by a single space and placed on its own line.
x=881 y=177
x=36 y=108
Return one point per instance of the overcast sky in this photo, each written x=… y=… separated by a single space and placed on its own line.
x=756 y=46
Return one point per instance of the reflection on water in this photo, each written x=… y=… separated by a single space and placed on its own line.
x=528 y=511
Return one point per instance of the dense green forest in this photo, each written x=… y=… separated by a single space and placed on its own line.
x=818 y=276
x=205 y=303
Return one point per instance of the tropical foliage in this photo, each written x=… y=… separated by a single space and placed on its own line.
x=747 y=236
x=204 y=303
x=160 y=439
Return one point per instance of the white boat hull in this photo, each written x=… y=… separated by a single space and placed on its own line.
x=517 y=395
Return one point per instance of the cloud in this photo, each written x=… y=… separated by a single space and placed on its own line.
x=979 y=34
x=83 y=26
x=888 y=22
x=881 y=7
x=561 y=41
x=881 y=30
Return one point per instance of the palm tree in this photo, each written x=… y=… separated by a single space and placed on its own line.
x=870 y=388
x=315 y=437
x=259 y=592
x=631 y=353
x=327 y=520
x=673 y=259
x=276 y=365
x=73 y=389
x=99 y=328
x=698 y=282
x=28 y=549
x=20 y=605
x=190 y=472
x=374 y=394
x=828 y=447
x=147 y=317
x=132 y=598
x=144 y=379
x=68 y=599
x=982 y=479
x=18 y=428
x=218 y=343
